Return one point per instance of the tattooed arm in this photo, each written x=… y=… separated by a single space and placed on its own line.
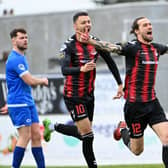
x=100 y=45
x=107 y=46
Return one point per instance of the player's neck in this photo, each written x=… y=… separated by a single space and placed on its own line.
x=21 y=52
x=77 y=37
x=144 y=42
x=141 y=40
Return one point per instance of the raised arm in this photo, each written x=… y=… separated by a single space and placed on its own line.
x=106 y=46
x=101 y=45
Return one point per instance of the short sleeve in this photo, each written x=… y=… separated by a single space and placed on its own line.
x=20 y=66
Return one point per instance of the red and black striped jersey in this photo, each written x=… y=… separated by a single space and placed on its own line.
x=141 y=66
x=75 y=54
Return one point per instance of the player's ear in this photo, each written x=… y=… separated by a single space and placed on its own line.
x=13 y=40
x=75 y=27
x=136 y=31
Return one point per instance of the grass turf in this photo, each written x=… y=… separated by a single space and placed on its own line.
x=112 y=166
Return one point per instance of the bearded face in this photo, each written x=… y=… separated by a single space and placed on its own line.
x=144 y=31
x=20 y=42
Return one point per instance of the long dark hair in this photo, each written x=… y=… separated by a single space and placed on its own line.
x=135 y=25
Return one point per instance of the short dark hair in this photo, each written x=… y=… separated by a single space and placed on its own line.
x=82 y=13
x=14 y=32
x=135 y=25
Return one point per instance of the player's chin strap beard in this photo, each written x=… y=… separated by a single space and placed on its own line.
x=22 y=48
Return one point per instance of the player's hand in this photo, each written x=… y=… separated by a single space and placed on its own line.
x=120 y=92
x=88 y=66
x=45 y=81
x=83 y=36
x=4 y=109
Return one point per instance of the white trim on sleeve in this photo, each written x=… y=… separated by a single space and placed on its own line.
x=23 y=73
x=17 y=105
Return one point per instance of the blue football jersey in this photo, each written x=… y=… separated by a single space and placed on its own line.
x=19 y=93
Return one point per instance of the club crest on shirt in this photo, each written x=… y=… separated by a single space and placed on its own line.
x=93 y=52
x=156 y=53
x=21 y=67
x=79 y=53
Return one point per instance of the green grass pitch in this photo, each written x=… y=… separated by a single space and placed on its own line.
x=112 y=166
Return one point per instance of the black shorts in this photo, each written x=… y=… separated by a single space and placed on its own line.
x=138 y=115
x=80 y=108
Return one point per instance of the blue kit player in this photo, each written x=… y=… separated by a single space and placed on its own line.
x=21 y=106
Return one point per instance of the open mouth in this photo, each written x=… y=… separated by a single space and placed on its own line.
x=88 y=29
x=149 y=33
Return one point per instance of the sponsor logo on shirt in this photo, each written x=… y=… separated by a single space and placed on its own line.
x=146 y=53
x=84 y=61
x=149 y=62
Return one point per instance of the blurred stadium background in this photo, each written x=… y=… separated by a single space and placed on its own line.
x=48 y=28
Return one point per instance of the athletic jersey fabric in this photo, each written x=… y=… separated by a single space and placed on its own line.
x=19 y=93
x=141 y=66
x=74 y=55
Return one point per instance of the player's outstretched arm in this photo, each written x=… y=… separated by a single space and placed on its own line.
x=107 y=46
x=84 y=37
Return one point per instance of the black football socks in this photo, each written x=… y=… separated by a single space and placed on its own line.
x=165 y=155
x=70 y=130
x=87 y=147
x=87 y=144
x=126 y=137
